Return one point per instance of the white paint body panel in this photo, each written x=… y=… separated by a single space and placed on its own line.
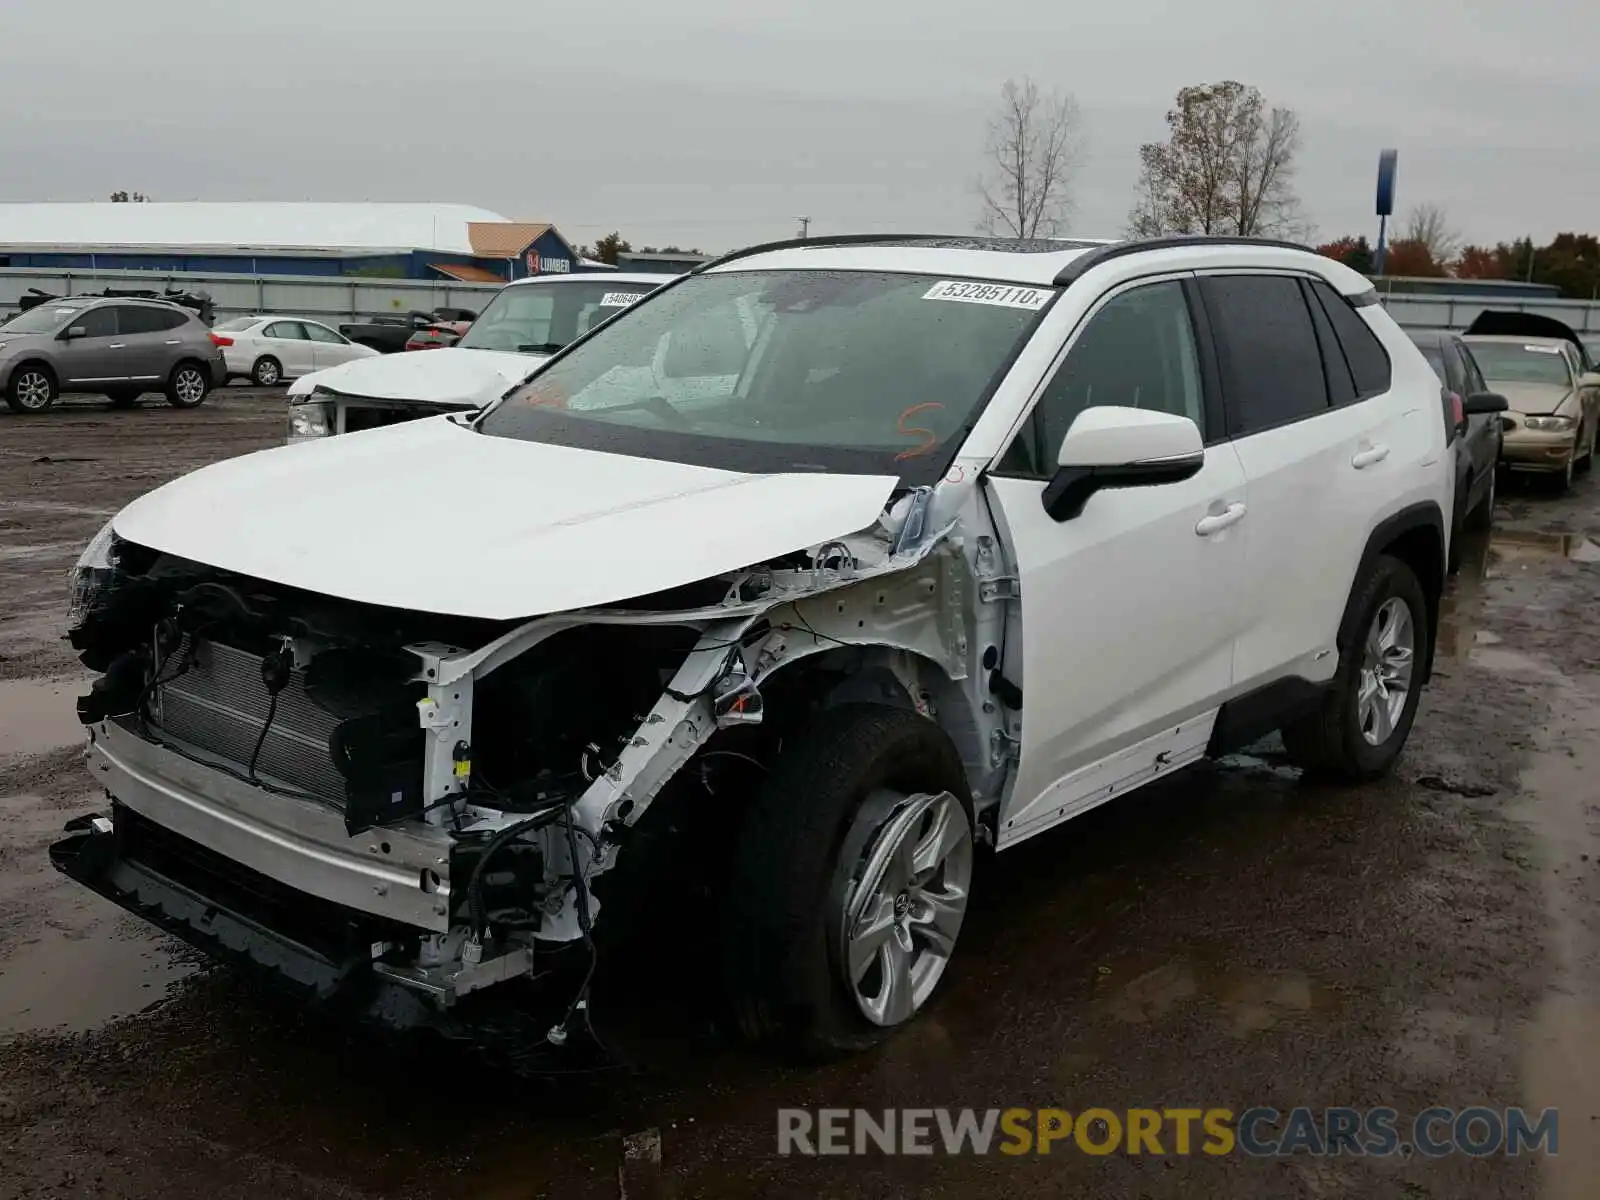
x=431 y=516
x=297 y=357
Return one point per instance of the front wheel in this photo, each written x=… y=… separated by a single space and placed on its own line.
x=1366 y=716
x=31 y=390
x=850 y=882
x=188 y=385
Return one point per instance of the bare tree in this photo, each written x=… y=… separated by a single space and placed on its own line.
x=1227 y=167
x=1031 y=155
x=1428 y=226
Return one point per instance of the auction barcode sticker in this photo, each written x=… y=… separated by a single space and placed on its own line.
x=967 y=292
x=618 y=299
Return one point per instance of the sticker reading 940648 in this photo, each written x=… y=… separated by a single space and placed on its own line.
x=1002 y=294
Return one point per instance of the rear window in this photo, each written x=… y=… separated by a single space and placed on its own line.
x=1368 y=360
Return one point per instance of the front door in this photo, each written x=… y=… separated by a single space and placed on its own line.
x=328 y=349
x=95 y=357
x=1128 y=611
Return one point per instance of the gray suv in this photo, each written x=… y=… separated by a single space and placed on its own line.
x=119 y=348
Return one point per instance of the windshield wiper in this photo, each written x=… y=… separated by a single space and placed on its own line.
x=541 y=348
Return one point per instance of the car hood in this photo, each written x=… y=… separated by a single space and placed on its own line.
x=449 y=376
x=1532 y=398
x=431 y=516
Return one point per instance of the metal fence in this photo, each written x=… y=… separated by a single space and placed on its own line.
x=341 y=298
x=333 y=299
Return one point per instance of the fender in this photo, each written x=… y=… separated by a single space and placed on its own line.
x=1424 y=515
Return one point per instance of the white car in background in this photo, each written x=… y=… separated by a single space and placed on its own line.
x=527 y=321
x=268 y=350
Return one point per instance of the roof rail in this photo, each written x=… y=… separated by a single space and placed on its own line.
x=1084 y=263
x=837 y=239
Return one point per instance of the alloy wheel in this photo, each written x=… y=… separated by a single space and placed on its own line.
x=903 y=909
x=190 y=386
x=1386 y=669
x=33 y=390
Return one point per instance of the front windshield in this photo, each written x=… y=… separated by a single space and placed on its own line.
x=541 y=318
x=765 y=371
x=1512 y=362
x=45 y=318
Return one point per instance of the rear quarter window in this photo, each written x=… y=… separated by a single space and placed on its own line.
x=1368 y=360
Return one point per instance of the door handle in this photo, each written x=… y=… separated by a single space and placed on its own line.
x=1231 y=515
x=1367 y=458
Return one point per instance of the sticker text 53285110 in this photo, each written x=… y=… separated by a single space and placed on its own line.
x=1006 y=296
x=618 y=299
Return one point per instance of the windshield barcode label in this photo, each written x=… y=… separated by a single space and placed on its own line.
x=966 y=292
x=618 y=299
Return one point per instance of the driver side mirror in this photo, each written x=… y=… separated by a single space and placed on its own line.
x=1113 y=447
x=74 y=331
x=1480 y=404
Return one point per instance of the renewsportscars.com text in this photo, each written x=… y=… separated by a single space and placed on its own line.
x=1261 y=1132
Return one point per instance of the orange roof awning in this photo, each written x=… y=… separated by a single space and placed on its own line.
x=464 y=273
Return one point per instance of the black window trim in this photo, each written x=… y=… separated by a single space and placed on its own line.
x=1200 y=327
x=1387 y=358
x=1298 y=276
x=1329 y=355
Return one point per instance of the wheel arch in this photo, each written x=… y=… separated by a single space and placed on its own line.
x=40 y=362
x=1416 y=536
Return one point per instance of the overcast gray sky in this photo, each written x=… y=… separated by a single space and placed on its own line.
x=718 y=122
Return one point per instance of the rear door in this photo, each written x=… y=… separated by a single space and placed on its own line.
x=328 y=349
x=1128 y=610
x=96 y=357
x=288 y=342
x=145 y=333
x=1311 y=424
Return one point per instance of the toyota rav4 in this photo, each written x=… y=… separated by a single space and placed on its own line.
x=927 y=545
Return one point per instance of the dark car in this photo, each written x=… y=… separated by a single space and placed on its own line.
x=1473 y=413
x=437 y=336
x=120 y=348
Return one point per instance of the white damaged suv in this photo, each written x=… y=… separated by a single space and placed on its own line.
x=927 y=545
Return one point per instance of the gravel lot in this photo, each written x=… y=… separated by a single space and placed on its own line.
x=1231 y=938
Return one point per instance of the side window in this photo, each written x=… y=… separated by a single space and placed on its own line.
x=1266 y=350
x=289 y=330
x=1137 y=351
x=320 y=333
x=1369 y=361
x=1475 y=379
x=1341 y=387
x=137 y=318
x=172 y=319
x=99 y=322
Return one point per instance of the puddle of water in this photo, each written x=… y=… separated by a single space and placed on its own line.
x=39 y=714
x=1140 y=994
x=1518 y=544
x=73 y=983
x=1562 y=1045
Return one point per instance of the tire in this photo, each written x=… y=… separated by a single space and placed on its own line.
x=811 y=855
x=1482 y=517
x=123 y=399
x=188 y=385
x=268 y=372
x=1334 y=742
x=32 y=389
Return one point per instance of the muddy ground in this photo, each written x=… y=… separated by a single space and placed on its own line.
x=1231 y=938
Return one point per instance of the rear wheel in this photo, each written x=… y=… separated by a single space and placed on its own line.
x=1366 y=717
x=32 y=389
x=187 y=385
x=850 y=882
x=267 y=372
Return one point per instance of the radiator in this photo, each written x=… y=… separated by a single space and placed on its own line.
x=220 y=704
